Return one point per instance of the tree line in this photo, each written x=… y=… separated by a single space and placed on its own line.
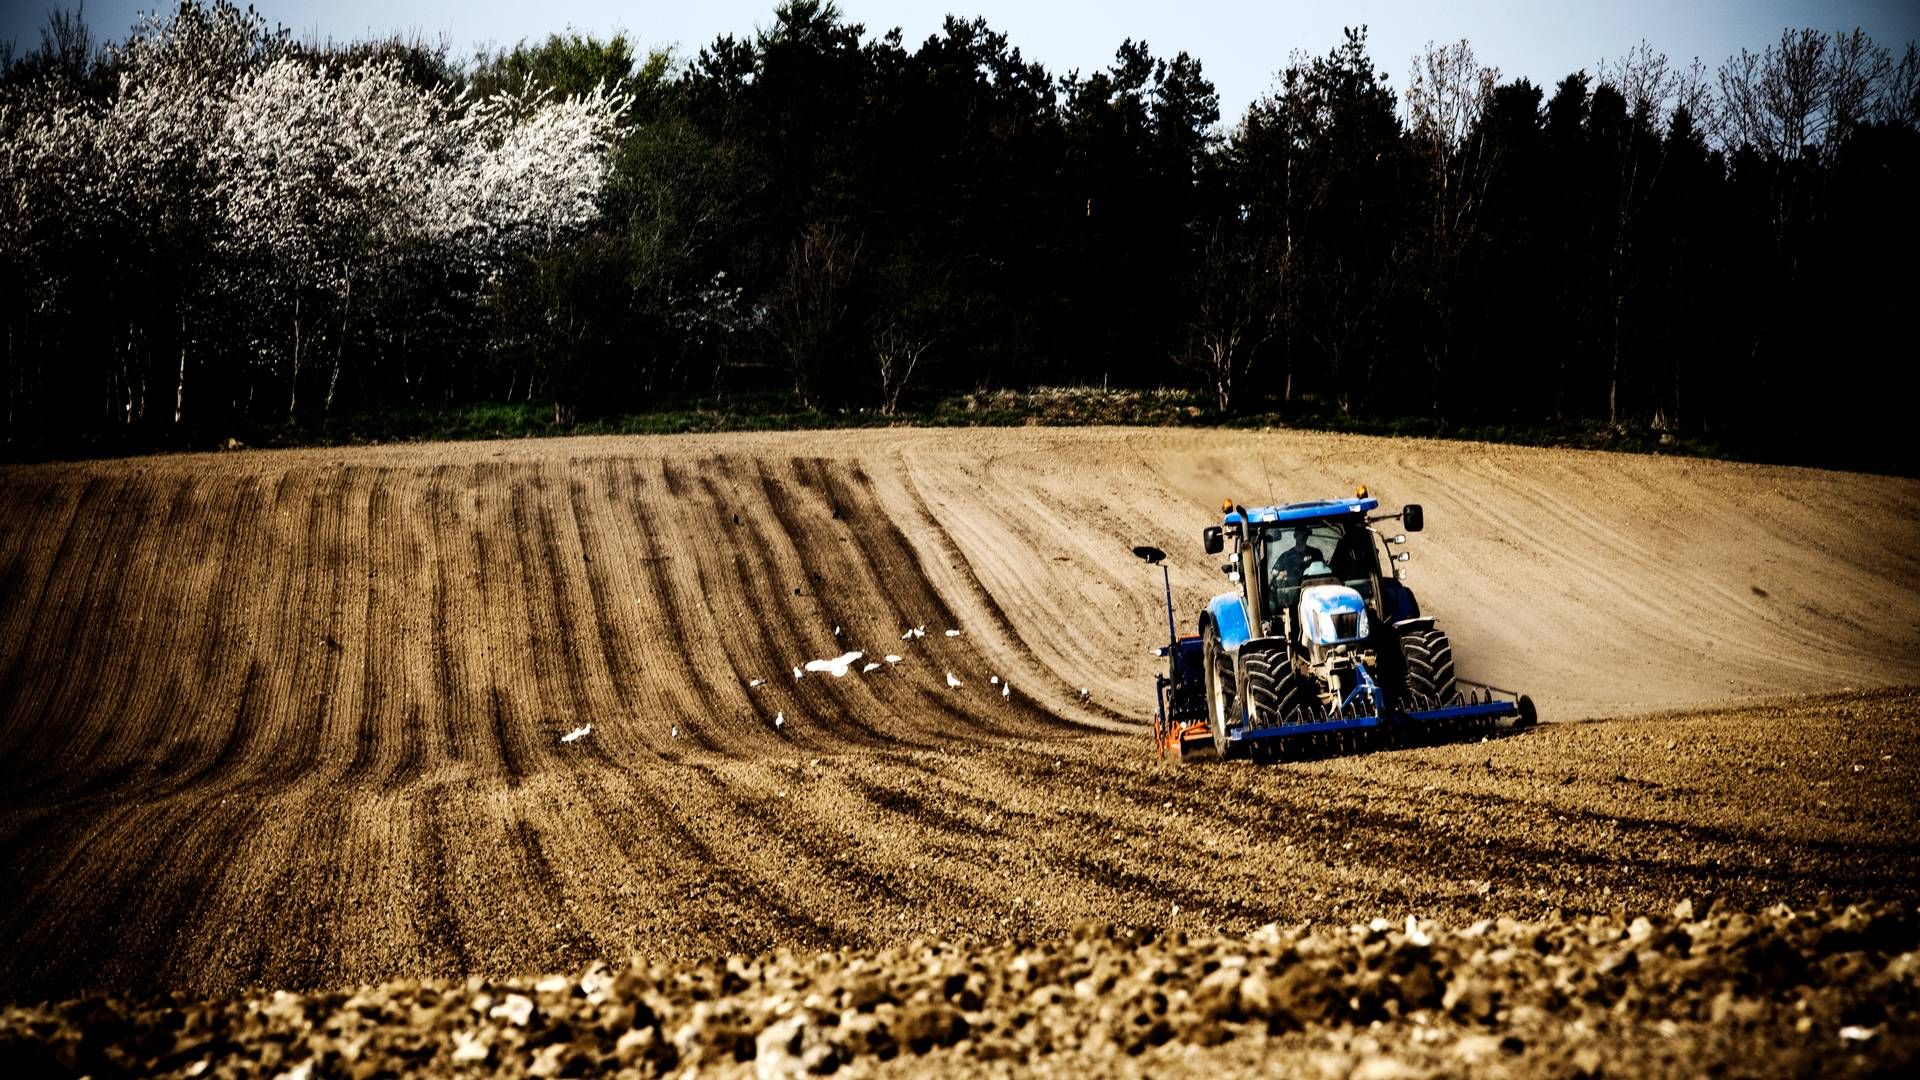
x=210 y=227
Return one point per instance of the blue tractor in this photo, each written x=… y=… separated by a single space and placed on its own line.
x=1319 y=646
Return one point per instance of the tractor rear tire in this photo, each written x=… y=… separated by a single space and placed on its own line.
x=1276 y=691
x=1428 y=657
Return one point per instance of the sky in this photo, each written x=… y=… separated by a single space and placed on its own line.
x=1240 y=44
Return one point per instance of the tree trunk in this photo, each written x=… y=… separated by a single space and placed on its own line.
x=1286 y=283
x=1673 y=401
x=1613 y=380
x=293 y=385
x=180 y=384
x=134 y=375
x=339 y=349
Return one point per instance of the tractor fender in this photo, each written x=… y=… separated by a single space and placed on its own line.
x=1423 y=622
x=1254 y=647
x=1397 y=603
x=1228 y=614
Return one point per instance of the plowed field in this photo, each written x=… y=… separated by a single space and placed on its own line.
x=295 y=719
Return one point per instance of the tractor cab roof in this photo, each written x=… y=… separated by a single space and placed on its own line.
x=1303 y=511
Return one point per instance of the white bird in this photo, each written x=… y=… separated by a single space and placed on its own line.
x=952 y=683
x=1085 y=693
x=953 y=633
x=674 y=732
x=870 y=669
x=892 y=659
x=836 y=631
x=994 y=679
x=837 y=667
x=796 y=674
x=779 y=720
x=756 y=682
x=578 y=733
x=1006 y=691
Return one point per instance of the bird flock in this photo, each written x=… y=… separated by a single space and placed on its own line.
x=839 y=667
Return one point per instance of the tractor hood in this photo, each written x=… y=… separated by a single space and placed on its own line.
x=1332 y=614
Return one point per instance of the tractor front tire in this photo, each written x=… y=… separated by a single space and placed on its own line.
x=1276 y=691
x=1222 y=702
x=1428 y=657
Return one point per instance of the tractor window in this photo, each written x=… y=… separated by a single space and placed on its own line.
x=1314 y=553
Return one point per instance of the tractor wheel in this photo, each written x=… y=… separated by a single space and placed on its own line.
x=1222 y=703
x=1428 y=657
x=1276 y=692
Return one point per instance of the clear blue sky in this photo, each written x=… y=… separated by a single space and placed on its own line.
x=1240 y=43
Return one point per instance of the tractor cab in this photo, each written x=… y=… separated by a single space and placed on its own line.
x=1312 y=555
x=1325 y=553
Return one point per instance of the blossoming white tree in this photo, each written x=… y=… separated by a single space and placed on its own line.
x=226 y=160
x=155 y=143
x=322 y=174
x=526 y=168
x=331 y=175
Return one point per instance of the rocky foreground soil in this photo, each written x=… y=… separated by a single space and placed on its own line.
x=1824 y=990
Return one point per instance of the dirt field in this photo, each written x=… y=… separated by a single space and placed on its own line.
x=294 y=720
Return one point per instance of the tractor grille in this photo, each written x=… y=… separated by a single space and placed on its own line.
x=1346 y=626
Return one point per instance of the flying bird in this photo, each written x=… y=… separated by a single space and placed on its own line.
x=756 y=682
x=952 y=683
x=837 y=667
x=578 y=733
x=870 y=669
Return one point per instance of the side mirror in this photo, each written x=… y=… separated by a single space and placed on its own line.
x=1153 y=555
x=1413 y=517
x=1213 y=540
